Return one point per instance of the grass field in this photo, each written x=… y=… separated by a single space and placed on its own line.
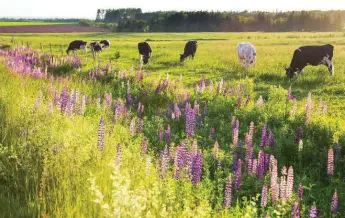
x=60 y=163
x=33 y=23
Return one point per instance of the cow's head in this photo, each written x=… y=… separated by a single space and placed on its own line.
x=290 y=72
x=182 y=57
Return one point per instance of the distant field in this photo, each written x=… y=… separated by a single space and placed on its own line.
x=34 y=23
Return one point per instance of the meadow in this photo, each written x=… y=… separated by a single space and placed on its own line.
x=203 y=138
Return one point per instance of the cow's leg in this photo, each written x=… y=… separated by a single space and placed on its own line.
x=328 y=63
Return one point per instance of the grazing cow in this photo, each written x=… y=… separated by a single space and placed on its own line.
x=144 y=52
x=105 y=43
x=77 y=45
x=189 y=50
x=95 y=47
x=246 y=53
x=311 y=55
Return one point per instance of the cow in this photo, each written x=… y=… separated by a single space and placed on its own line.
x=144 y=52
x=105 y=43
x=76 y=45
x=246 y=54
x=95 y=47
x=189 y=50
x=311 y=55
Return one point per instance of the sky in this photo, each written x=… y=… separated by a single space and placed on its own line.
x=88 y=8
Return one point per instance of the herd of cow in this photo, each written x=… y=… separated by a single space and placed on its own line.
x=303 y=56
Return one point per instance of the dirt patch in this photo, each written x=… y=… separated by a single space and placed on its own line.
x=50 y=29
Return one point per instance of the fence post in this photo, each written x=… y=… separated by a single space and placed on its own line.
x=50 y=47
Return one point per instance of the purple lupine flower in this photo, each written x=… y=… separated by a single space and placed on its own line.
x=219 y=164
x=294 y=108
x=215 y=150
x=101 y=134
x=300 y=192
x=235 y=137
x=334 y=206
x=266 y=162
x=129 y=99
x=197 y=168
x=274 y=180
x=213 y=133
x=140 y=126
x=289 y=183
x=140 y=109
x=299 y=134
x=261 y=164
x=251 y=130
x=228 y=193
x=330 y=162
x=177 y=111
x=248 y=100
x=264 y=196
x=168 y=134
x=108 y=99
x=180 y=160
x=159 y=113
x=255 y=166
x=249 y=154
x=64 y=99
x=190 y=121
x=313 y=211
x=239 y=102
x=132 y=127
x=264 y=135
x=163 y=163
x=296 y=210
x=160 y=134
x=144 y=146
x=283 y=181
x=289 y=95
x=270 y=139
x=238 y=174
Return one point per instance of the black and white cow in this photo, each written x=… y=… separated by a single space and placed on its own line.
x=76 y=45
x=105 y=43
x=96 y=47
x=144 y=51
x=311 y=55
x=189 y=50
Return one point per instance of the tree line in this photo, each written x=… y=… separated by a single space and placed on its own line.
x=134 y=20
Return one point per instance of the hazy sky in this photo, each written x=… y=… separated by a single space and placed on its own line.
x=87 y=8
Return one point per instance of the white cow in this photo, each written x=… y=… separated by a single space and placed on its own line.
x=246 y=53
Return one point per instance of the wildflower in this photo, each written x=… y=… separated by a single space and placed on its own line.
x=264 y=135
x=180 y=160
x=251 y=130
x=190 y=121
x=289 y=183
x=296 y=210
x=177 y=111
x=239 y=102
x=197 y=168
x=260 y=102
x=255 y=166
x=163 y=163
x=132 y=127
x=334 y=206
x=289 y=95
x=140 y=126
x=294 y=108
x=160 y=134
x=101 y=134
x=238 y=174
x=264 y=196
x=313 y=212
x=274 y=180
x=64 y=99
x=300 y=192
x=140 y=109
x=168 y=134
x=330 y=162
x=219 y=164
x=270 y=139
x=144 y=146
x=228 y=193
x=215 y=150
x=213 y=133
x=247 y=101
x=283 y=183
x=261 y=162
x=235 y=137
